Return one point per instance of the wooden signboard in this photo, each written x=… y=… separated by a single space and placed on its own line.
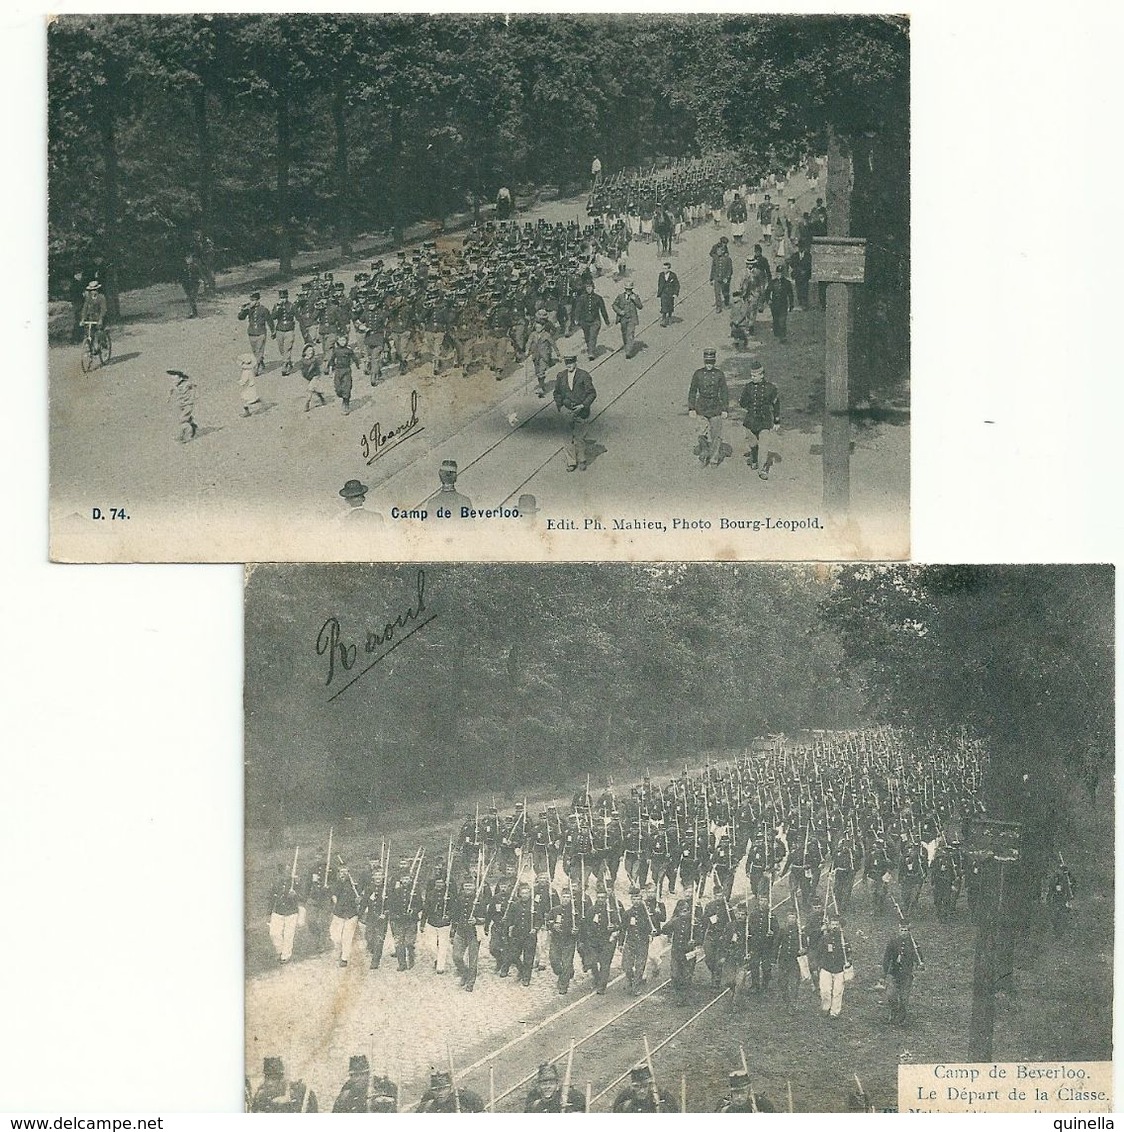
x=838 y=259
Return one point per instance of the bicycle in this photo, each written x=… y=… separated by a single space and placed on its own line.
x=99 y=345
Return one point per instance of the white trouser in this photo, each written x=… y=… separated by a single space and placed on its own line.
x=439 y=945
x=831 y=992
x=342 y=932
x=282 y=934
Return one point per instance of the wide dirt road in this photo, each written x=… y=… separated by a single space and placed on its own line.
x=267 y=487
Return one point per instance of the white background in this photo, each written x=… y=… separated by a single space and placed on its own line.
x=120 y=713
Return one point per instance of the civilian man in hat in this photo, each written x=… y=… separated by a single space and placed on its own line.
x=589 y=313
x=640 y=1094
x=442 y=1097
x=667 y=289
x=627 y=307
x=546 y=1093
x=285 y=322
x=364 y=1091
x=709 y=397
x=258 y=320
x=447 y=497
x=355 y=493
x=762 y=405
x=901 y=958
x=573 y=396
x=275 y=1094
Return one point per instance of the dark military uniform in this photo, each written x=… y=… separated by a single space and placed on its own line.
x=275 y=1094
x=364 y=1091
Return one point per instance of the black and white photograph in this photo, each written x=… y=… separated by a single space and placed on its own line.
x=425 y=287
x=678 y=837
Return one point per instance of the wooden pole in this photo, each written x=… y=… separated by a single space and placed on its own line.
x=836 y=422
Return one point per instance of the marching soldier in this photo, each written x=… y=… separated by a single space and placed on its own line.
x=258 y=320
x=374 y=913
x=317 y=900
x=436 y=915
x=792 y=947
x=285 y=323
x=364 y=1091
x=566 y=923
x=762 y=944
x=275 y=1094
x=502 y=896
x=470 y=917
x=685 y=931
x=901 y=958
x=521 y=929
x=716 y=926
x=345 y=915
x=284 y=912
x=441 y=1096
x=640 y=1094
x=642 y=922
x=405 y=912
x=942 y=876
x=911 y=876
x=546 y=1095
x=832 y=961
x=741 y=1097
x=602 y=934
x=709 y=397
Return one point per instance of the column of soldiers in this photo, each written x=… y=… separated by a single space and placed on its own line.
x=507 y=291
x=796 y=826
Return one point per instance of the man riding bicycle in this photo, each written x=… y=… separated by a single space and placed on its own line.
x=94 y=310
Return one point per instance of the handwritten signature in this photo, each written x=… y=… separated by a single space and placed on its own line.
x=342 y=652
x=376 y=443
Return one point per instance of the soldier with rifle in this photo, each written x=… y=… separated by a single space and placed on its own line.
x=642 y=922
x=284 y=910
x=406 y=910
x=567 y=920
x=602 y=934
x=550 y=1094
x=469 y=919
x=374 y=911
x=792 y=947
x=521 y=923
x=901 y=958
x=345 y=915
x=716 y=929
x=443 y=1096
x=364 y=1091
x=276 y=1094
x=435 y=911
x=685 y=932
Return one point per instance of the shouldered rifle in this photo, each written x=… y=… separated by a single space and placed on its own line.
x=448 y=882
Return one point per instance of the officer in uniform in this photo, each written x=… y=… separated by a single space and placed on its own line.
x=285 y=322
x=546 y=1093
x=709 y=397
x=762 y=405
x=364 y=1091
x=667 y=290
x=258 y=320
x=275 y=1094
x=442 y=1097
x=453 y=501
x=792 y=943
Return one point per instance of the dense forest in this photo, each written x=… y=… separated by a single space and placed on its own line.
x=268 y=134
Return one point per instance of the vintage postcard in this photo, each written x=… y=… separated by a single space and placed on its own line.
x=679 y=837
x=436 y=287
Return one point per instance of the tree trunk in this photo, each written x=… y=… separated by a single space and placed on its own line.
x=343 y=210
x=206 y=165
x=284 y=129
x=394 y=192
x=110 y=249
